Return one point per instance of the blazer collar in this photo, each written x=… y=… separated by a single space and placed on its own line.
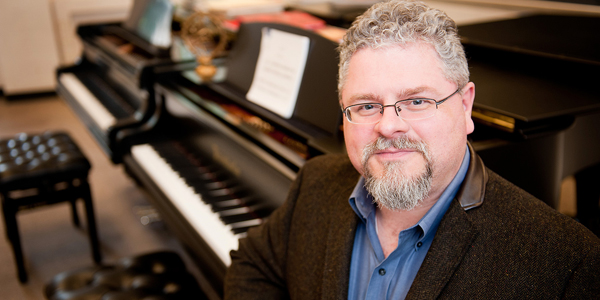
x=472 y=191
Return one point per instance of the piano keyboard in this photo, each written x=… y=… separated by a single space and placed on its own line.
x=216 y=207
x=100 y=115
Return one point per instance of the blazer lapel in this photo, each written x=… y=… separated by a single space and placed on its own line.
x=454 y=235
x=453 y=239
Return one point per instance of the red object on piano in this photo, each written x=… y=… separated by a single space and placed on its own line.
x=294 y=18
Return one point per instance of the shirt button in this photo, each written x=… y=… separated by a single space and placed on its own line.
x=381 y=272
x=419 y=244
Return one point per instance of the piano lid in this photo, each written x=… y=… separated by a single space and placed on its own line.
x=534 y=70
x=563 y=37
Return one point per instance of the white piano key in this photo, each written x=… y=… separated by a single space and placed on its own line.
x=217 y=235
x=100 y=115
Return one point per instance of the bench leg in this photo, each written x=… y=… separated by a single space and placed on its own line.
x=12 y=232
x=74 y=213
x=91 y=221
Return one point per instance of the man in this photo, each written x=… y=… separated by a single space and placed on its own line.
x=422 y=218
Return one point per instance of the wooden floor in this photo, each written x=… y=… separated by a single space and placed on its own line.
x=50 y=243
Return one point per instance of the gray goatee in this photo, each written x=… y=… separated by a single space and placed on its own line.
x=394 y=189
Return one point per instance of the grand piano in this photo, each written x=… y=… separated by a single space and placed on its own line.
x=217 y=164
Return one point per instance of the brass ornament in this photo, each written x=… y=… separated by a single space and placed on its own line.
x=204 y=35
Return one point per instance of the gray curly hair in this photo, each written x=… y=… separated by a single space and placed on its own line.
x=399 y=22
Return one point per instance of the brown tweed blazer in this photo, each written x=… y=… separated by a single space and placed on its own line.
x=496 y=241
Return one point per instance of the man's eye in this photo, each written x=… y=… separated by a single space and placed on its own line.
x=415 y=104
x=366 y=109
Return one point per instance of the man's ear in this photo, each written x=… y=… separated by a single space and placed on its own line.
x=468 y=97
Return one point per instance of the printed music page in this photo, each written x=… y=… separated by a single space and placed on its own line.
x=279 y=71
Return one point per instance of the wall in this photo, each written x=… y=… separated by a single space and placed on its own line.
x=28 y=52
x=37 y=36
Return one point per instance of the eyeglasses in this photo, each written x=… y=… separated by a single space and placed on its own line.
x=409 y=109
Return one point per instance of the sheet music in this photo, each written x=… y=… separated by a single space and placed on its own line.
x=279 y=71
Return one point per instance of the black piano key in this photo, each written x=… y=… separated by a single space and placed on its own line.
x=241 y=230
x=227 y=203
x=235 y=211
x=225 y=192
x=229 y=209
x=257 y=214
x=242 y=227
x=211 y=193
x=209 y=181
x=221 y=184
x=215 y=200
x=233 y=202
x=238 y=218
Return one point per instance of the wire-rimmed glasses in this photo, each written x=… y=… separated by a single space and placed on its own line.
x=409 y=109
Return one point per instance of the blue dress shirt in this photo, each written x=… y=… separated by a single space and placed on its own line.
x=371 y=275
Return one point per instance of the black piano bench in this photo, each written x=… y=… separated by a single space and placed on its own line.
x=156 y=275
x=43 y=169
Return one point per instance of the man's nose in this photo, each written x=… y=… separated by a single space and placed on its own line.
x=391 y=124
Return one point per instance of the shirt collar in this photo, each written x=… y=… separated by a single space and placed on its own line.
x=362 y=202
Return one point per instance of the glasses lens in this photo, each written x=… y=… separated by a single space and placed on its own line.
x=415 y=109
x=364 y=113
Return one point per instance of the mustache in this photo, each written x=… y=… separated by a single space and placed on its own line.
x=400 y=143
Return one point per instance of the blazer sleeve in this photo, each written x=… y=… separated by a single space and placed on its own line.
x=585 y=281
x=258 y=266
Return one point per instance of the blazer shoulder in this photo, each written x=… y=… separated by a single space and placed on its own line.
x=508 y=206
